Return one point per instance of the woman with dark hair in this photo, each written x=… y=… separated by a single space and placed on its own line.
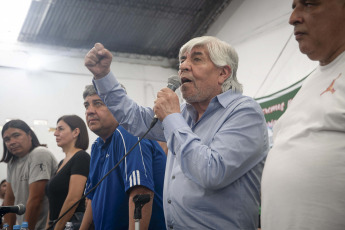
x=29 y=167
x=68 y=184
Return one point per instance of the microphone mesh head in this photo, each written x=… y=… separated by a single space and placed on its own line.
x=174 y=82
x=21 y=209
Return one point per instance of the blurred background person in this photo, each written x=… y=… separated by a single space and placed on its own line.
x=2 y=191
x=67 y=185
x=2 y=194
x=29 y=167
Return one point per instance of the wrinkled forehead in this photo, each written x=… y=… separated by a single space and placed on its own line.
x=195 y=50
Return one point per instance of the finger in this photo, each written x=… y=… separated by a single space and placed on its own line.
x=165 y=90
x=89 y=62
x=99 y=46
x=102 y=52
x=92 y=54
x=155 y=108
x=91 y=59
x=159 y=94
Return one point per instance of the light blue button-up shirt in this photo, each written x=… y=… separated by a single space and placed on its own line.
x=214 y=166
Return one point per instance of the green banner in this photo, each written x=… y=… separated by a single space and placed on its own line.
x=275 y=105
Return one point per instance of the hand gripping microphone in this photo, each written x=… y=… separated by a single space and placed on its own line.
x=174 y=82
x=18 y=209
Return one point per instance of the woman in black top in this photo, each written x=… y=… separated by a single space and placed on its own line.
x=68 y=184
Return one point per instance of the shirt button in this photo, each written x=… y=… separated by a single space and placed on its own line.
x=173 y=177
x=169 y=201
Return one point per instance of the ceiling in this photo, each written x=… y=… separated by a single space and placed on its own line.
x=134 y=27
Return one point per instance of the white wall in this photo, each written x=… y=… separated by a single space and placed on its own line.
x=57 y=90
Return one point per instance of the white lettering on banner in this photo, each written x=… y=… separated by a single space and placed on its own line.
x=289 y=101
x=274 y=108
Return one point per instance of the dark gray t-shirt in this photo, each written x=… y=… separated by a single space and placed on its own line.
x=39 y=164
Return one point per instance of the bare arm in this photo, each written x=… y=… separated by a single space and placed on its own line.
x=87 y=219
x=47 y=222
x=75 y=192
x=146 y=210
x=34 y=202
x=10 y=218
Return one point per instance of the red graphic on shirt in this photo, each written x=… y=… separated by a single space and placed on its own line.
x=330 y=88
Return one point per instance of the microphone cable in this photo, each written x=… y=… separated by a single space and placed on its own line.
x=154 y=121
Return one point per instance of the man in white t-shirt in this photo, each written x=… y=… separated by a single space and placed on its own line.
x=303 y=183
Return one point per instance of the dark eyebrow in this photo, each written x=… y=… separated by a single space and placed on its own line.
x=15 y=133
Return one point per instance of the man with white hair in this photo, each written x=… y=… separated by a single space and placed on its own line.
x=217 y=141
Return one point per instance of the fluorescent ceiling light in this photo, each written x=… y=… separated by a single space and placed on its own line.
x=40 y=122
x=12 y=16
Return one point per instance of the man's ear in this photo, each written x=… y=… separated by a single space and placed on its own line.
x=225 y=72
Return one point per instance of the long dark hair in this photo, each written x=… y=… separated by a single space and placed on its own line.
x=74 y=121
x=7 y=156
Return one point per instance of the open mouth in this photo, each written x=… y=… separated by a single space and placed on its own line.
x=185 y=80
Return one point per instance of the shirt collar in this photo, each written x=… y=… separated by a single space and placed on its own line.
x=223 y=99
x=107 y=141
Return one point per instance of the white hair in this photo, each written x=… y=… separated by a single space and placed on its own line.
x=221 y=54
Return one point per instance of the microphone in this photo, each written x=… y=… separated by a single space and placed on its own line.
x=174 y=83
x=18 y=209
